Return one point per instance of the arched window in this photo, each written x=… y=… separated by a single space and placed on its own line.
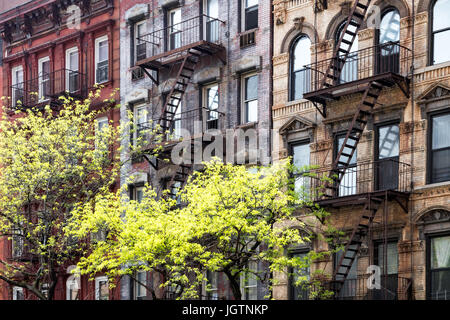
x=440 y=31
x=300 y=76
x=388 y=42
x=350 y=70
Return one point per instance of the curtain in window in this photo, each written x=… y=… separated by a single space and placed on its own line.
x=440 y=252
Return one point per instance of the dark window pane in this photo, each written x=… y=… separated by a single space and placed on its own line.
x=299 y=292
x=251 y=18
x=440 y=285
x=441 y=165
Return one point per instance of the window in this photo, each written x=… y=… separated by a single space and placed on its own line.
x=174 y=21
x=300 y=76
x=387 y=156
x=439 y=156
x=17 y=85
x=101 y=59
x=101 y=288
x=140 y=290
x=17 y=293
x=212 y=22
x=140 y=48
x=249 y=284
x=347 y=185
x=388 y=41
x=72 y=285
x=350 y=70
x=72 y=68
x=141 y=124
x=440 y=36
x=389 y=271
x=212 y=291
x=174 y=107
x=17 y=242
x=138 y=194
x=250 y=95
x=101 y=124
x=439 y=268
x=299 y=292
x=250 y=14
x=211 y=105
x=300 y=158
x=44 y=78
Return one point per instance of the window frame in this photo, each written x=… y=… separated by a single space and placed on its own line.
x=15 y=290
x=244 y=279
x=244 y=101
x=14 y=82
x=428 y=269
x=97 y=57
x=137 y=286
x=292 y=90
x=135 y=41
x=69 y=67
x=292 y=145
x=244 y=15
x=97 y=288
x=432 y=34
x=291 y=287
x=170 y=29
x=205 y=100
x=429 y=166
x=136 y=109
x=337 y=136
x=41 y=81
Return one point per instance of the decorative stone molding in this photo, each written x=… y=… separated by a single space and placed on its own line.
x=281 y=58
x=298 y=23
x=408 y=246
x=409 y=127
x=421 y=18
x=322 y=145
x=296 y=124
x=279 y=11
x=366 y=34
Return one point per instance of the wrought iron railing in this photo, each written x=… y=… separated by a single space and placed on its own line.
x=180 y=34
x=363 y=287
x=47 y=87
x=191 y=122
x=365 y=177
x=380 y=59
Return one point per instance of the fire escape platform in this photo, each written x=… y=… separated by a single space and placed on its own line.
x=170 y=57
x=361 y=199
x=387 y=79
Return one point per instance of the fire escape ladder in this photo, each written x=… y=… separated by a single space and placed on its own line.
x=354 y=243
x=173 y=100
x=354 y=133
x=345 y=42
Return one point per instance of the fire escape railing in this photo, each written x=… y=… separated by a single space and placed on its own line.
x=390 y=57
x=363 y=287
x=48 y=88
x=182 y=34
x=361 y=178
x=191 y=122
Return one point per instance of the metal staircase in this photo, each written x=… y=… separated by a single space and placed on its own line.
x=345 y=43
x=354 y=243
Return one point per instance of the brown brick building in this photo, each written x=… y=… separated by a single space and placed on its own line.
x=347 y=99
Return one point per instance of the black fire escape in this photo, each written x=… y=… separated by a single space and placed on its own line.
x=367 y=72
x=177 y=49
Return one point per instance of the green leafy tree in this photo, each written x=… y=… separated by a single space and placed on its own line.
x=230 y=217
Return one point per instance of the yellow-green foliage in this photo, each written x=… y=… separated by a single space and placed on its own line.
x=229 y=217
x=49 y=161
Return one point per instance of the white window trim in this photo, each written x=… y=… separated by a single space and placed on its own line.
x=135 y=116
x=137 y=285
x=14 y=81
x=97 y=287
x=97 y=54
x=97 y=122
x=244 y=277
x=205 y=101
x=243 y=101
x=40 y=80
x=67 y=64
x=15 y=290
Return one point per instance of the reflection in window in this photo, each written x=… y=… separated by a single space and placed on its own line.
x=440 y=148
x=388 y=156
x=300 y=159
x=251 y=98
x=441 y=31
x=350 y=70
x=347 y=185
x=250 y=14
x=299 y=292
x=300 y=76
x=389 y=37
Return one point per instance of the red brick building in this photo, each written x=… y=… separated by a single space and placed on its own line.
x=52 y=46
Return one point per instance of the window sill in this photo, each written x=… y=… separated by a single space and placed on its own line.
x=248 y=125
x=433 y=185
